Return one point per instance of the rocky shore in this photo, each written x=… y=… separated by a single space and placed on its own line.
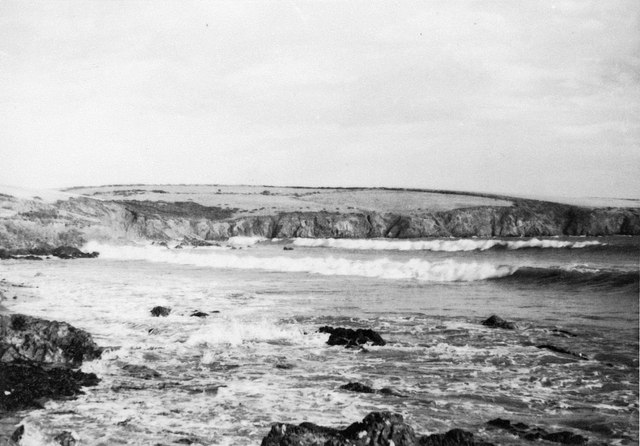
x=386 y=429
x=39 y=361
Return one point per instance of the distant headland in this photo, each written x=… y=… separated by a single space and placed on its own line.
x=207 y=213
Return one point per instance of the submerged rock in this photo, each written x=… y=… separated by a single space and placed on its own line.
x=62 y=252
x=18 y=434
x=160 y=311
x=363 y=388
x=199 y=314
x=497 y=322
x=357 y=387
x=66 y=438
x=33 y=339
x=564 y=351
x=536 y=433
x=25 y=385
x=69 y=252
x=352 y=338
x=376 y=429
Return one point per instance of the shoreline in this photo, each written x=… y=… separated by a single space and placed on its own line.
x=210 y=217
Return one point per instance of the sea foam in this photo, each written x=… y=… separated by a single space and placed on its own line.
x=438 y=245
x=437 y=271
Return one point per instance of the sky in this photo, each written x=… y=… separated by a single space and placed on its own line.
x=522 y=97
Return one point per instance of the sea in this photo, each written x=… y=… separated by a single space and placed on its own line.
x=258 y=358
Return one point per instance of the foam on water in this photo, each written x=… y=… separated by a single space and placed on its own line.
x=226 y=378
x=441 y=271
x=439 y=245
x=237 y=332
x=245 y=241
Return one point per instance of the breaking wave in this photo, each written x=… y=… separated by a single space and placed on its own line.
x=575 y=276
x=439 y=245
x=417 y=269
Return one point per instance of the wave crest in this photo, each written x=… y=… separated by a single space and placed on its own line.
x=439 y=245
x=441 y=271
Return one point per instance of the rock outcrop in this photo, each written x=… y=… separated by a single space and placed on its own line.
x=26 y=338
x=160 y=311
x=37 y=361
x=62 y=252
x=350 y=337
x=363 y=388
x=376 y=429
x=497 y=322
x=26 y=385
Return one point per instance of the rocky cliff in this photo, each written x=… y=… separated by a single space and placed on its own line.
x=31 y=223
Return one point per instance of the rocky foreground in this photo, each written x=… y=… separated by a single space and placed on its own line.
x=39 y=361
x=387 y=429
x=28 y=223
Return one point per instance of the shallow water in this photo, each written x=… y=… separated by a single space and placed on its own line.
x=225 y=378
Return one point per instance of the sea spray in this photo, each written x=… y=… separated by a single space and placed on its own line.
x=422 y=270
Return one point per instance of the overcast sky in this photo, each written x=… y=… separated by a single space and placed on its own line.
x=527 y=97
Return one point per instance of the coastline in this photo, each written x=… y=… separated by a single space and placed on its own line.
x=156 y=226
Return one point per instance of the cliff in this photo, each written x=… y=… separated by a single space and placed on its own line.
x=29 y=223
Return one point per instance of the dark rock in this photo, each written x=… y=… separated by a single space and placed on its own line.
x=284 y=366
x=26 y=385
x=33 y=339
x=363 y=388
x=357 y=387
x=5 y=254
x=565 y=437
x=455 y=437
x=65 y=438
x=18 y=434
x=535 y=433
x=381 y=428
x=376 y=429
x=69 y=252
x=497 y=322
x=351 y=338
x=500 y=423
x=564 y=351
x=160 y=311
x=199 y=314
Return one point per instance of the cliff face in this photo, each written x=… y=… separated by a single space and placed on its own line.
x=525 y=219
x=74 y=221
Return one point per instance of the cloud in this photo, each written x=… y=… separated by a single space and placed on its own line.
x=441 y=94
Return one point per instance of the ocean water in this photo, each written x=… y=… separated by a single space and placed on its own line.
x=258 y=357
